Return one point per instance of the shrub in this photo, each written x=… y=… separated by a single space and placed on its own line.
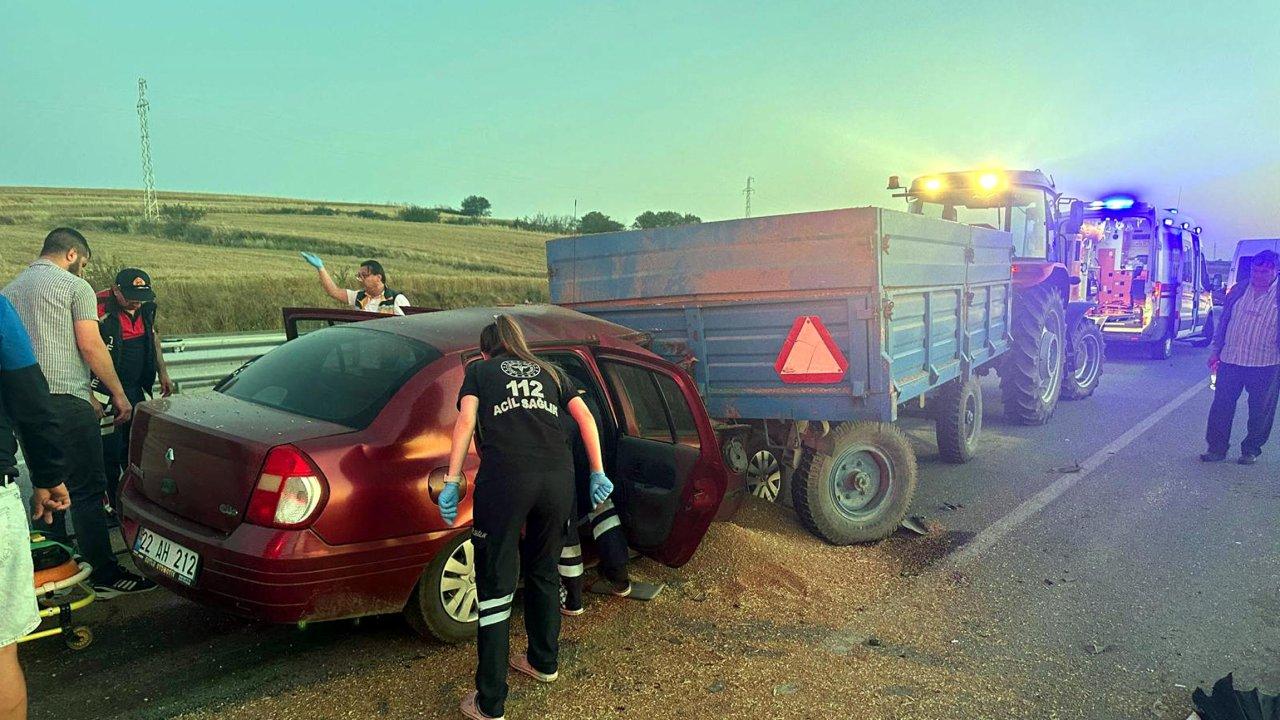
x=182 y=213
x=539 y=222
x=475 y=206
x=413 y=213
x=371 y=215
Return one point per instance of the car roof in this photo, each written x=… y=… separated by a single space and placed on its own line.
x=451 y=331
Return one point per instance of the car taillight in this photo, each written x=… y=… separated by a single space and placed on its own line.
x=289 y=492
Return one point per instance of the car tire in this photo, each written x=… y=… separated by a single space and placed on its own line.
x=958 y=423
x=861 y=491
x=764 y=472
x=443 y=605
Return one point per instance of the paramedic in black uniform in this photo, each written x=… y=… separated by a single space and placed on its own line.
x=525 y=481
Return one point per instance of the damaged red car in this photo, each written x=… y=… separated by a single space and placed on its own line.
x=304 y=487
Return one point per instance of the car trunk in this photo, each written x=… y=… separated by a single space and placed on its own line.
x=200 y=456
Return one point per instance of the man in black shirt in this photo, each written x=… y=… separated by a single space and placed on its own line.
x=127 y=318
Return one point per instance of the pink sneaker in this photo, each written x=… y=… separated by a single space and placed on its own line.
x=521 y=665
x=472 y=710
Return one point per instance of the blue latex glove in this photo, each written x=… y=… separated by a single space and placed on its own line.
x=449 y=502
x=313 y=260
x=601 y=487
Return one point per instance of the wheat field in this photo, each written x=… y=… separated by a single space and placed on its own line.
x=241 y=282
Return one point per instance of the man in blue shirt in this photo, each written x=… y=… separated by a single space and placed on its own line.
x=25 y=407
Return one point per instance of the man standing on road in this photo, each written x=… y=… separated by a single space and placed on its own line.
x=373 y=295
x=1246 y=357
x=24 y=406
x=127 y=321
x=60 y=314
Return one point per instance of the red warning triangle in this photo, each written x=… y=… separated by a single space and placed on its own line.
x=809 y=355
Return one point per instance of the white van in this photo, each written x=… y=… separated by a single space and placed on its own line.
x=1245 y=250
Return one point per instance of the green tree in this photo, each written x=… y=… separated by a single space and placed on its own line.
x=597 y=222
x=664 y=218
x=475 y=206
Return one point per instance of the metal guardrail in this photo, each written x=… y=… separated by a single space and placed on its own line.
x=197 y=362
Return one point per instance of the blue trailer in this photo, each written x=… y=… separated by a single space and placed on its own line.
x=806 y=334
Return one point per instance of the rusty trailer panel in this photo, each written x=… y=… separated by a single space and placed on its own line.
x=911 y=302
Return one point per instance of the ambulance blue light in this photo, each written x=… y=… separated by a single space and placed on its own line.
x=1118 y=202
x=1168 y=222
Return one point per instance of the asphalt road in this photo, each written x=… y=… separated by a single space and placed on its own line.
x=1145 y=575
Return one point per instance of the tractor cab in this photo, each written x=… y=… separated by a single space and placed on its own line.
x=1023 y=203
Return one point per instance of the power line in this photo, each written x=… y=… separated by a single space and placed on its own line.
x=150 y=209
x=747 y=191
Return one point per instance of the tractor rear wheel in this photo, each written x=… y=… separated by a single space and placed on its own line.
x=1085 y=358
x=861 y=491
x=1031 y=375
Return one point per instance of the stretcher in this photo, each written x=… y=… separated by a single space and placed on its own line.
x=61 y=591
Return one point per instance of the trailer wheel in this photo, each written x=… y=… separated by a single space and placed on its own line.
x=1031 y=375
x=958 y=424
x=443 y=604
x=1084 y=361
x=861 y=491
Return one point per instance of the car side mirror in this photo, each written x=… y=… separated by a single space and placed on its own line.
x=435 y=484
x=1074 y=220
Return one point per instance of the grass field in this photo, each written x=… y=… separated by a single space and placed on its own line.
x=250 y=267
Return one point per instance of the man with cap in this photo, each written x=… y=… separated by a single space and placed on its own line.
x=127 y=317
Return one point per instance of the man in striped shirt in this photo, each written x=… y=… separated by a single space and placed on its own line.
x=1246 y=357
x=60 y=314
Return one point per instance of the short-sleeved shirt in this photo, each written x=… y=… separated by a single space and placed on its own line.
x=1251 y=334
x=50 y=301
x=521 y=416
x=379 y=304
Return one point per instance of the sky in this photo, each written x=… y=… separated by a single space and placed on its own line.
x=625 y=107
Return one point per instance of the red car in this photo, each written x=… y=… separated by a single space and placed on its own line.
x=303 y=488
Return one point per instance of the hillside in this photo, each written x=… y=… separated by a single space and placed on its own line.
x=240 y=263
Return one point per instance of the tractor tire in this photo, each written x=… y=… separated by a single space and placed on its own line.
x=958 y=423
x=1031 y=375
x=1086 y=356
x=861 y=491
x=444 y=605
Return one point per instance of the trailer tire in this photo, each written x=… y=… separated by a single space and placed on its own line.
x=1031 y=375
x=427 y=613
x=958 y=424
x=861 y=491
x=1087 y=355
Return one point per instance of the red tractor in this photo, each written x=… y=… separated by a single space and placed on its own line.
x=1058 y=349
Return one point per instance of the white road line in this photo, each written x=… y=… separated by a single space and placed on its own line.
x=1019 y=515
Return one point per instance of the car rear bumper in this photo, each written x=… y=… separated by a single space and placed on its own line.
x=284 y=576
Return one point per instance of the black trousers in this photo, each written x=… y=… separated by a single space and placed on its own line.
x=1263 y=385
x=115 y=450
x=86 y=483
x=540 y=503
x=611 y=544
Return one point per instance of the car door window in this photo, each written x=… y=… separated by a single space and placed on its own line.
x=635 y=387
x=685 y=427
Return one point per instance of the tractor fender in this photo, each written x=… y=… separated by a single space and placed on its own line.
x=1075 y=310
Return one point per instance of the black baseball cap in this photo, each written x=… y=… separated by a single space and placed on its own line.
x=135 y=284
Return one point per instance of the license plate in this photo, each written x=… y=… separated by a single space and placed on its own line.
x=166 y=556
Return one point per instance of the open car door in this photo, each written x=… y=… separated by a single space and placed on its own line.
x=667 y=472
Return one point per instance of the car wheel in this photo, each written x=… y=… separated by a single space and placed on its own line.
x=444 y=604
x=764 y=471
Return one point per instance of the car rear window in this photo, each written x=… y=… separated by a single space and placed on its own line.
x=343 y=375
